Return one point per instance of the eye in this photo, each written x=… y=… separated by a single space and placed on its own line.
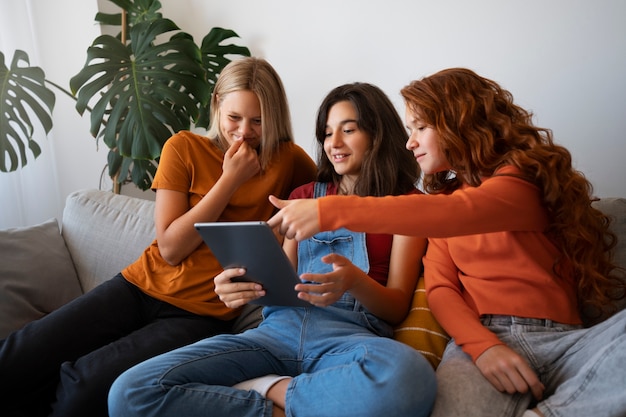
x=256 y=122
x=350 y=127
x=234 y=117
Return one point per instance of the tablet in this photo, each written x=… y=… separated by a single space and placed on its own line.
x=253 y=246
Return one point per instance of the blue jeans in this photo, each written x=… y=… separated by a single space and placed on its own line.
x=583 y=371
x=340 y=364
x=339 y=368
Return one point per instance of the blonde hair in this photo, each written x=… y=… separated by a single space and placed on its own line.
x=258 y=76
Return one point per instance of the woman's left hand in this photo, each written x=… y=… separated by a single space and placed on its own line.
x=329 y=287
x=509 y=372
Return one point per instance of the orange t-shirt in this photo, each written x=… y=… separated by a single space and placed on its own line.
x=192 y=164
x=487 y=252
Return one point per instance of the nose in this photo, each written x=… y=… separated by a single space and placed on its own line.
x=245 y=127
x=334 y=140
x=411 y=142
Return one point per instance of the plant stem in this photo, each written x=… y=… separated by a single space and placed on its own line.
x=67 y=93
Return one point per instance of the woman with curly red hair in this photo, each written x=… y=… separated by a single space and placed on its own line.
x=518 y=262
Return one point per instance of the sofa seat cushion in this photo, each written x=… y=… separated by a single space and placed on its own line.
x=36 y=274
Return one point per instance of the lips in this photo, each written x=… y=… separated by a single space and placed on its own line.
x=252 y=142
x=340 y=157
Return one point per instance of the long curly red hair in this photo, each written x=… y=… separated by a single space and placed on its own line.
x=482 y=129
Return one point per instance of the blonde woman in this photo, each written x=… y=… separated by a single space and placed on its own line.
x=64 y=364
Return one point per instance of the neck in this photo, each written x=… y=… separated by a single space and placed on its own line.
x=346 y=185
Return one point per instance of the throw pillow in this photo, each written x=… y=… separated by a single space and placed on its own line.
x=36 y=274
x=420 y=330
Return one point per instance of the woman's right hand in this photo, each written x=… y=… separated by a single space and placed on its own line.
x=236 y=294
x=241 y=162
x=296 y=219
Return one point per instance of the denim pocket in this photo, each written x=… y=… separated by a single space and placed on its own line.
x=325 y=243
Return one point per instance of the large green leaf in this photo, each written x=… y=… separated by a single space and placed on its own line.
x=139 y=172
x=22 y=94
x=136 y=11
x=214 y=58
x=138 y=94
x=144 y=91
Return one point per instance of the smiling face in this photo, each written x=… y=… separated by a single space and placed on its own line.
x=345 y=144
x=424 y=143
x=240 y=117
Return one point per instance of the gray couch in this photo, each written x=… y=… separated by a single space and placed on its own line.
x=102 y=232
x=41 y=268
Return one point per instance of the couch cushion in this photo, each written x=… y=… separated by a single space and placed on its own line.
x=105 y=232
x=36 y=274
x=420 y=330
x=615 y=208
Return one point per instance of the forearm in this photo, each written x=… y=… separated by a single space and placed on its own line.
x=461 y=322
x=502 y=204
x=388 y=304
x=179 y=239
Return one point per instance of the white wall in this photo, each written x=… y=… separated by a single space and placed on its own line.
x=54 y=34
x=65 y=29
x=563 y=59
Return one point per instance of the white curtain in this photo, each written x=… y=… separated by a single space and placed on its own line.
x=29 y=195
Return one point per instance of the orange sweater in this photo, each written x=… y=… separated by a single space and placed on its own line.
x=192 y=164
x=487 y=253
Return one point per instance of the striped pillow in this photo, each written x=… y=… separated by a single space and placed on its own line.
x=420 y=330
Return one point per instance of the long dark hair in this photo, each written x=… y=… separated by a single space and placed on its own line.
x=388 y=168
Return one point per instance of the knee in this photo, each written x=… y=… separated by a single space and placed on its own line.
x=116 y=396
x=416 y=388
x=408 y=382
x=124 y=394
x=80 y=392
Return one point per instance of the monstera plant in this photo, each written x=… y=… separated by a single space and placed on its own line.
x=138 y=91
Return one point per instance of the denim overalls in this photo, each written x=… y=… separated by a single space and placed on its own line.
x=349 y=244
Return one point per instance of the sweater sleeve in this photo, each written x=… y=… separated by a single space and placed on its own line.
x=449 y=305
x=500 y=203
